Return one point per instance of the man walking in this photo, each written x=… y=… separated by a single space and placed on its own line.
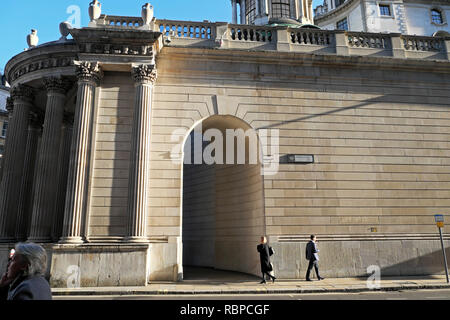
x=313 y=257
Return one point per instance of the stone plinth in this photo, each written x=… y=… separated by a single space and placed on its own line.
x=100 y=265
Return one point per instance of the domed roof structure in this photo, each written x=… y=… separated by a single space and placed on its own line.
x=286 y=13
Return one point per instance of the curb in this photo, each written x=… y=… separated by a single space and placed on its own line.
x=93 y=292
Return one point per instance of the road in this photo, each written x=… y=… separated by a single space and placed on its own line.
x=441 y=294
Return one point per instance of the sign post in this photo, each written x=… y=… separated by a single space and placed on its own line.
x=439 y=218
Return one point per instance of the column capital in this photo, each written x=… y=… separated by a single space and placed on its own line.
x=36 y=119
x=57 y=84
x=144 y=73
x=22 y=92
x=9 y=104
x=88 y=71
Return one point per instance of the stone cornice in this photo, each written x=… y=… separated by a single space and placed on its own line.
x=88 y=71
x=44 y=59
x=104 y=41
x=22 y=92
x=335 y=11
x=144 y=73
x=349 y=3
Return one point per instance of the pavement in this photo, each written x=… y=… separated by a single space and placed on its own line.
x=204 y=281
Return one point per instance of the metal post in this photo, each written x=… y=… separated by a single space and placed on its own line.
x=445 y=257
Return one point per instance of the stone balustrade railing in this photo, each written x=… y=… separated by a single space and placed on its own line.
x=249 y=37
x=120 y=22
x=368 y=40
x=416 y=43
x=311 y=37
x=186 y=29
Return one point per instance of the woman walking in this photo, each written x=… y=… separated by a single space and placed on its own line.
x=264 y=255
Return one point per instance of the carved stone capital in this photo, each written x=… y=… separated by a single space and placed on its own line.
x=9 y=104
x=144 y=73
x=22 y=92
x=35 y=120
x=88 y=71
x=56 y=84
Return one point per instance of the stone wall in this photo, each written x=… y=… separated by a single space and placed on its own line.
x=109 y=184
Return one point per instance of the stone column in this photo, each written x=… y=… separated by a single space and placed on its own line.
x=14 y=157
x=47 y=173
x=63 y=166
x=144 y=77
x=25 y=197
x=234 y=11
x=89 y=75
x=243 y=19
x=10 y=109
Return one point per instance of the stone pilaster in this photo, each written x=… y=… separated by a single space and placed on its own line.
x=47 y=175
x=14 y=157
x=26 y=195
x=144 y=77
x=63 y=166
x=88 y=74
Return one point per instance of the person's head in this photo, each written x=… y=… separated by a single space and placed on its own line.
x=29 y=259
x=313 y=237
x=263 y=240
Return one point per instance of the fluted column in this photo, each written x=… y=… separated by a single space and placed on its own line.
x=234 y=11
x=243 y=18
x=88 y=74
x=10 y=109
x=144 y=77
x=63 y=166
x=14 y=161
x=25 y=196
x=47 y=173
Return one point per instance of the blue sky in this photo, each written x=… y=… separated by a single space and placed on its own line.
x=17 y=18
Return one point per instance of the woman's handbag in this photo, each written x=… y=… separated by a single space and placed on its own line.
x=271 y=251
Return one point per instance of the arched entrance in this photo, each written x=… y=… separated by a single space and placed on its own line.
x=223 y=196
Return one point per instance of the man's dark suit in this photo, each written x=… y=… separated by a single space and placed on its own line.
x=313 y=257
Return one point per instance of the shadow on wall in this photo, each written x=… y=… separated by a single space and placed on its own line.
x=425 y=266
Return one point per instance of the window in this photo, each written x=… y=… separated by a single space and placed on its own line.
x=281 y=9
x=342 y=25
x=250 y=11
x=338 y=2
x=436 y=16
x=385 y=10
x=5 y=127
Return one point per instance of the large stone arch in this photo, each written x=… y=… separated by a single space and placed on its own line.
x=223 y=204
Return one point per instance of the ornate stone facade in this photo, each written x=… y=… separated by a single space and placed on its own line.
x=96 y=174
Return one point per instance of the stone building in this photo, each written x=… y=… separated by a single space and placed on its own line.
x=4 y=95
x=409 y=17
x=352 y=136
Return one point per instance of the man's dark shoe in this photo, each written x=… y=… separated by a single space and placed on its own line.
x=273 y=279
x=308 y=280
x=264 y=281
x=320 y=278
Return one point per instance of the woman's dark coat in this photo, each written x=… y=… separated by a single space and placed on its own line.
x=264 y=257
x=30 y=288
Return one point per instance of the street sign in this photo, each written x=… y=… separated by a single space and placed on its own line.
x=439 y=218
